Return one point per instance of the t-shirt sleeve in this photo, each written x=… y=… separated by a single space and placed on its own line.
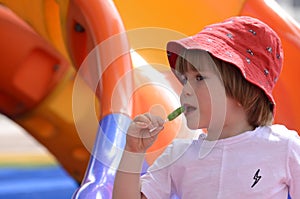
x=294 y=166
x=156 y=182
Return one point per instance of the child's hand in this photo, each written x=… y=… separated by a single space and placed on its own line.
x=139 y=137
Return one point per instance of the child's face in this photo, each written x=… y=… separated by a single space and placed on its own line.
x=203 y=95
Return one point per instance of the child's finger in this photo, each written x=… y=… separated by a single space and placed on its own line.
x=142 y=118
x=141 y=124
x=142 y=121
x=148 y=121
x=155 y=120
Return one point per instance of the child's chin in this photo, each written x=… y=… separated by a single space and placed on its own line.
x=195 y=126
x=192 y=126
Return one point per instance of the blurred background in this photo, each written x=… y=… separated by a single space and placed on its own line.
x=29 y=170
x=292 y=7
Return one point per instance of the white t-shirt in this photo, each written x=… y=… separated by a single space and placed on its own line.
x=262 y=164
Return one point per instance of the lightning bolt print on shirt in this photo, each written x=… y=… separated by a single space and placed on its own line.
x=256 y=178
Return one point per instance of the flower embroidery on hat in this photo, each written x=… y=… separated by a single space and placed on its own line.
x=229 y=35
x=252 y=31
x=278 y=56
x=250 y=52
x=266 y=71
x=228 y=53
x=269 y=49
x=248 y=60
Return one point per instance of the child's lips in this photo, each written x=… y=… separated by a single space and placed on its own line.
x=188 y=109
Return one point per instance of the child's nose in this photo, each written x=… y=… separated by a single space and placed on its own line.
x=187 y=89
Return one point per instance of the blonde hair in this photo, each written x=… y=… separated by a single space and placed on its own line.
x=255 y=102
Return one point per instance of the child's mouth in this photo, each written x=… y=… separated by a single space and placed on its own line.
x=188 y=109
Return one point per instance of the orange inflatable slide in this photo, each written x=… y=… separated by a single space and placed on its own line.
x=74 y=72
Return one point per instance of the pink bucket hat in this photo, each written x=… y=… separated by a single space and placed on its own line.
x=243 y=41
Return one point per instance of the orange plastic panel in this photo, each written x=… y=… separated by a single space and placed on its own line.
x=51 y=123
x=36 y=91
x=43 y=16
x=286 y=91
x=88 y=24
x=30 y=67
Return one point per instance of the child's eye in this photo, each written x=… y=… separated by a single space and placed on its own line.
x=199 y=77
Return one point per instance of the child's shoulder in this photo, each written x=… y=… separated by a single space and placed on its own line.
x=282 y=131
x=279 y=132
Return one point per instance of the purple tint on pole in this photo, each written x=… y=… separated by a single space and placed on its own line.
x=110 y=141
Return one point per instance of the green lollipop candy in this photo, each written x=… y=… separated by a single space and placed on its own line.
x=175 y=113
x=171 y=116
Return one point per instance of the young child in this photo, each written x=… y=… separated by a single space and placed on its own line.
x=228 y=72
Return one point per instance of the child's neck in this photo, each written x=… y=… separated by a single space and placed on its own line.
x=228 y=132
x=235 y=123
